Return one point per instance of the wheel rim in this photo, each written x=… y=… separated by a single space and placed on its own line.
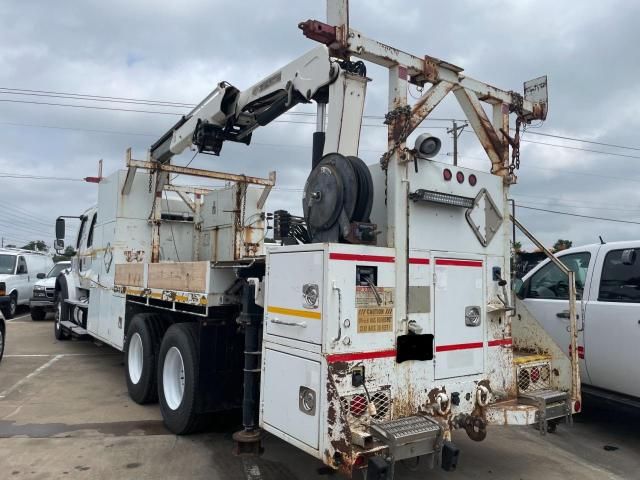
x=1 y=342
x=135 y=358
x=13 y=306
x=173 y=378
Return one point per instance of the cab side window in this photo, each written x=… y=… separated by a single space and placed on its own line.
x=83 y=222
x=93 y=226
x=22 y=266
x=620 y=280
x=551 y=283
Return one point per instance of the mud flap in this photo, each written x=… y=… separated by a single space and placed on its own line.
x=450 y=455
x=378 y=469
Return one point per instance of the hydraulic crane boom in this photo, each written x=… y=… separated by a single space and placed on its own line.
x=230 y=114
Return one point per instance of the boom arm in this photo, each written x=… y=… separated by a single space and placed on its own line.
x=229 y=114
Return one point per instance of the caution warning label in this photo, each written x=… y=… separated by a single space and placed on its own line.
x=374 y=320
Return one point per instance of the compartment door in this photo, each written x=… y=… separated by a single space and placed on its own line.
x=459 y=317
x=287 y=379
x=294 y=295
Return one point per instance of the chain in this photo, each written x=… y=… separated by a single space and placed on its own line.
x=517 y=107
x=403 y=114
x=150 y=180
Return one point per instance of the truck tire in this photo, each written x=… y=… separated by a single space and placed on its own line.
x=10 y=310
x=37 y=313
x=61 y=314
x=178 y=378
x=140 y=354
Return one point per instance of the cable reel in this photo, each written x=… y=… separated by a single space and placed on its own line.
x=337 y=201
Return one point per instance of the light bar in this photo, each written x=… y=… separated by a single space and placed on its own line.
x=441 y=198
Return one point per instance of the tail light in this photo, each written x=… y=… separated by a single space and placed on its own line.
x=358 y=405
x=577 y=406
x=3 y=289
x=360 y=461
x=460 y=177
x=473 y=180
x=446 y=174
x=535 y=374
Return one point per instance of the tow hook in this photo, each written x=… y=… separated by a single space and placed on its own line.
x=476 y=428
x=442 y=403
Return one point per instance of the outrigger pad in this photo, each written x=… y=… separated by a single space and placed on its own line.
x=378 y=468
x=414 y=347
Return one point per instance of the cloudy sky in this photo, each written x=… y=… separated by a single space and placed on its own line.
x=178 y=52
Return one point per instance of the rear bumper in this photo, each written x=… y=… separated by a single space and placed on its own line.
x=4 y=299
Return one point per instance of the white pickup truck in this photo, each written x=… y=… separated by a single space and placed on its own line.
x=608 y=285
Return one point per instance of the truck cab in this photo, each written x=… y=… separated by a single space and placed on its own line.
x=608 y=287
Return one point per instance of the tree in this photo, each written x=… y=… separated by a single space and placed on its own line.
x=36 y=245
x=517 y=247
x=562 y=245
x=66 y=255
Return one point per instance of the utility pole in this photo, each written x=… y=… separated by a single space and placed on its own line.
x=456 y=131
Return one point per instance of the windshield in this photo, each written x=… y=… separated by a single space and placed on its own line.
x=57 y=268
x=7 y=264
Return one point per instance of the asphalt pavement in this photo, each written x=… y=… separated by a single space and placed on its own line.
x=65 y=413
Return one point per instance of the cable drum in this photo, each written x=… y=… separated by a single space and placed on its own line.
x=338 y=192
x=323 y=198
x=365 y=190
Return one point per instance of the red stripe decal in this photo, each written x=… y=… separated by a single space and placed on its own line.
x=361 y=258
x=419 y=261
x=458 y=263
x=350 y=357
x=459 y=346
x=500 y=342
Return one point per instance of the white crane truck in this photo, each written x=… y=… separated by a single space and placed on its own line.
x=377 y=324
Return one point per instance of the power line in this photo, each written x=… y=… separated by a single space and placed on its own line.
x=578 y=215
x=27 y=213
x=9 y=90
x=580 y=149
x=38 y=177
x=80 y=96
x=593 y=142
x=588 y=206
x=173 y=104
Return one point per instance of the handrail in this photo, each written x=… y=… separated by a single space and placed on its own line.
x=573 y=324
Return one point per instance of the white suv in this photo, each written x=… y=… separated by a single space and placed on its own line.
x=18 y=273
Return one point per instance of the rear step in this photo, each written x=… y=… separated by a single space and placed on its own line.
x=73 y=328
x=551 y=405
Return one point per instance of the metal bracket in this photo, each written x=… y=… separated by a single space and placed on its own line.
x=492 y=218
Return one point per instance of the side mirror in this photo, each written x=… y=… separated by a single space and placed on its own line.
x=41 y=275
x=58 y=245
x=60 y=228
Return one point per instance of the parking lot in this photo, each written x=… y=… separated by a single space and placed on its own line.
x=65 y=413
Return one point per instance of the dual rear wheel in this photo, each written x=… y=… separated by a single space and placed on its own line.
x=161 y=365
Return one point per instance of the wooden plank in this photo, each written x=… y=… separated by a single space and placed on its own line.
x=182 y=276
x=130 y=274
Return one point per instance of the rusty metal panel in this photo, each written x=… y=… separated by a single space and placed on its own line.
x=483 y=128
